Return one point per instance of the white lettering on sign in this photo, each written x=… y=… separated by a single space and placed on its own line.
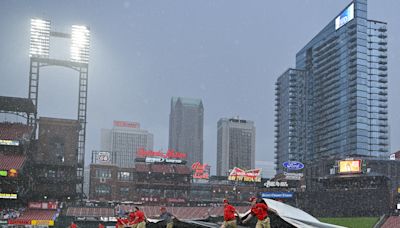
x=293 y=176
x=161 y=160
x=270 y=184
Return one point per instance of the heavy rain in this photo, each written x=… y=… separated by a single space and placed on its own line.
x=134 y=113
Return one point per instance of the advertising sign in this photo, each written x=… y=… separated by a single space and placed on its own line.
x=162 y=160
x=270 y=184
x=200 y=171
x=9 y=142
x=8 y=196
x=279 y=195
x=175 y=200
x=293 y=176
x=141 y=152
x=12 y=173
x=346 y=16
x=349 y=166
x=3 y=173
x=126 y=124
x=20 y=222
x=43 y=205
x=35 y=205
x=43 y=222
x=103 y=157
x=293 y=165
x=252 y=175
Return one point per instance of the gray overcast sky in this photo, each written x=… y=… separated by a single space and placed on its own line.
x=228 y=53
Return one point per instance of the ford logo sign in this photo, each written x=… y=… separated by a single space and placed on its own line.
x=293 y=165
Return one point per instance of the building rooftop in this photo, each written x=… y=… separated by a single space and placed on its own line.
x=187 y=100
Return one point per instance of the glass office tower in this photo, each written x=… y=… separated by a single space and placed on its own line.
x=186 y=123
x=345 y=95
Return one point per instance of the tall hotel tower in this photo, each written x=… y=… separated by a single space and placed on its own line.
x=123 y=141
x=334 y=103
x=236 y=145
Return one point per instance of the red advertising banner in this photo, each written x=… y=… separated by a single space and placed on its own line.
x=35 y=205
x=170 y=154
x=126 y=124
x=43 y=205
x=252 y=175
x=200 y=171
x=175 y=200
x=19 y=221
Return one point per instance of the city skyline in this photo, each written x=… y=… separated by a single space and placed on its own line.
x=232 y=60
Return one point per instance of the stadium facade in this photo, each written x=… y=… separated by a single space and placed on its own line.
x=163 y=183
x=186 y=122
x=334 y=103
x=123 y=141
x=235 y=145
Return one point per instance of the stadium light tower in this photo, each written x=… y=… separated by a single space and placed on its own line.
x=79 y=61
x=80 y=44
x=40 y=38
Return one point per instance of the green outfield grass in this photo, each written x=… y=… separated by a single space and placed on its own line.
x=356 y=222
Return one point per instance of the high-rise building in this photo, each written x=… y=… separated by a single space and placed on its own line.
x=235 y=145
x=334 y=104
x=123 y=141
x=290 y=117
x=186 y=128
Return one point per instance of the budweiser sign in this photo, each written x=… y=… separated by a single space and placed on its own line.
x=200 y=171
x=252 y=175
x=170 y=154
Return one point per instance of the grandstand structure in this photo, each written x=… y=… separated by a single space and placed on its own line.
x=55 y=161
x=35 y=170
x=19 y=106
x=146 y=183
x=369 y=187
x=15 y=143
x=159 y=181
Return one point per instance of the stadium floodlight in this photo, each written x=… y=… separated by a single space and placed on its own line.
x=80 y=44
x=40 y=38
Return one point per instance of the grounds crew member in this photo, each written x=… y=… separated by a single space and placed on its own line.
x=131 y=220
x=229 y=215
x=259 y=209
x=140 y=218
x=167 y=217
